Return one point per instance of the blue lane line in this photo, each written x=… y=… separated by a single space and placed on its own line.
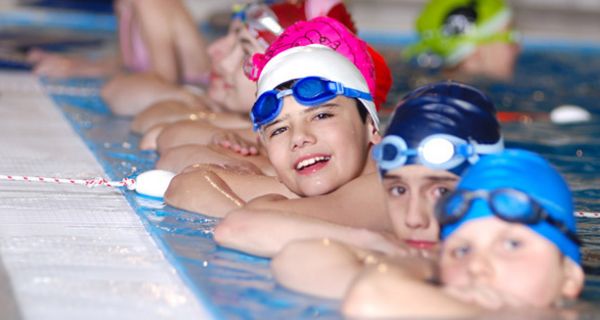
x=81 y=21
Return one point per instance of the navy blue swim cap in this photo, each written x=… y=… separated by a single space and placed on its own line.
x=447 y=108
x=531 y=174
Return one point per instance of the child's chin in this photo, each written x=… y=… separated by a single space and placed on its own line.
x=316 y=190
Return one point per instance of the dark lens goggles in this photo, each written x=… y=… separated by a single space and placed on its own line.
x=309 y=91
x=508 y=204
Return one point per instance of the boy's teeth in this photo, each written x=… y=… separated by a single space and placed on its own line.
x=309 y=162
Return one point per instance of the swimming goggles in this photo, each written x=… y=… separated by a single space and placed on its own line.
x=508 y=204
x=309 y=91
x=437 y=151
x=258 y=17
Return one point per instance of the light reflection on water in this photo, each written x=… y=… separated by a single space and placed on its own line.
x=241 y=286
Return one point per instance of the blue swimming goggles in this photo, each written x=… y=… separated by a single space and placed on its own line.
x=508 y=204
x=309 y=91
x=437 y=151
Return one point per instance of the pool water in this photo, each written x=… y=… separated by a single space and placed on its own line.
x=240 y=286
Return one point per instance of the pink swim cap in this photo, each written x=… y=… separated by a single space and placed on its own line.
x=324 y=31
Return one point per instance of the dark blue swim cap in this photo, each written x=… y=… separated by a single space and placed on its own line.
x=449 y=108
x=530 y=173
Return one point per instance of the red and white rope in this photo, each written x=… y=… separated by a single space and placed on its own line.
x=90 y=183
x=587 y=214
x=130 y=184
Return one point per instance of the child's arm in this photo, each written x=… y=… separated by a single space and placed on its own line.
x=320 y=267
x=162 y=112
x=360 y=203
x=265 y=233
x=269 y=223
x=386 y=290
x=198 y=131
x=175 y=47
x=215 y=192
x=130 y=94
x=178 y=158
x=60 y=65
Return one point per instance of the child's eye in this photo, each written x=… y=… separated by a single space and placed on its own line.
x=512 y=244
x=397 y=191
x=323 y=115
x=460 y=252
x=440 y=191
x=277 y=131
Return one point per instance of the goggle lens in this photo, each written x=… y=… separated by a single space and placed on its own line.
x=265 y=107
x=390 y=152
x=438 y=151
x=513 y=206
x=453 y=208
x=311 y=89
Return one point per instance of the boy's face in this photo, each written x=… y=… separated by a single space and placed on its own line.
x=220 y=47
x=229 y=86
x=495 y=263
x=412 y=192
x=499 y=60
x=316 y=150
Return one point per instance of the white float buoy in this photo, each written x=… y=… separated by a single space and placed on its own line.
x=569 y=114
x=153 y=183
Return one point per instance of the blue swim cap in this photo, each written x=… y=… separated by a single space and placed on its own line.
x=446 y=107
x=531 y=174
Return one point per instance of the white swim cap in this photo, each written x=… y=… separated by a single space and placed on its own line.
x=314 y=61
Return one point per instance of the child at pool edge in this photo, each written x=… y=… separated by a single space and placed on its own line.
x=130 y=94
x=229 y=87
x=509 y=244
x=158 y=36
x=342 y=151
x=435 y=133
x=180 y=149
x=467 y=38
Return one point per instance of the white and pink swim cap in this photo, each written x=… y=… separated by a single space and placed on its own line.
x=333 y=34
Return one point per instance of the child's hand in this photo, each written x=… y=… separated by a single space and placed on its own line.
x=60 y=66
x=234 y=142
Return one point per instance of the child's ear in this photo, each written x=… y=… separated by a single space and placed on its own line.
x=374 y=135
x=574 y=278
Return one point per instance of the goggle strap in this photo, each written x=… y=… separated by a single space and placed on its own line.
x=468 y=197
x=271 y=24
x=489 y=148
x=284 y=93
x=340 y=89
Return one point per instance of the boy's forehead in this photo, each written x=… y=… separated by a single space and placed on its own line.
x=492 y=228
x=419 y=172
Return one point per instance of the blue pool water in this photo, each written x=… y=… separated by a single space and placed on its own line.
x=240 y=286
